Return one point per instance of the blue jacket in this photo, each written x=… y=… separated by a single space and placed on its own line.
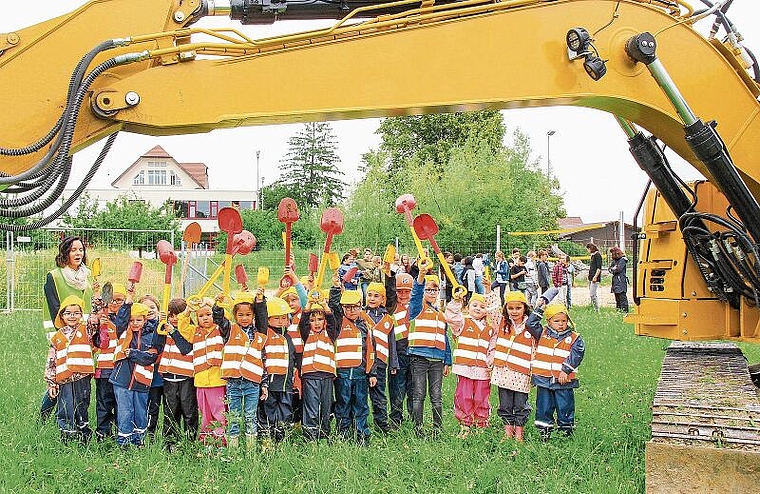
x=577 y=351
x=361 y=325
x=123 y=369
x=415 y=307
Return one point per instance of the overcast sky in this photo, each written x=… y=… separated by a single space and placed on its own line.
x=619 y=182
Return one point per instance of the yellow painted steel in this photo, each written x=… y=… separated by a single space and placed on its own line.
x=433 y=58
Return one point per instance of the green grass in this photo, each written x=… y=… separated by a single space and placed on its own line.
x=606 y=455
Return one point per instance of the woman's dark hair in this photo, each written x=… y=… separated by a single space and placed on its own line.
x=616 y=253
x=345 y=256
x=467 y=261
x=177 y=306
x=62 y=259
x=592 y=247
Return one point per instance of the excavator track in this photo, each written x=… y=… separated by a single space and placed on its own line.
x=705 y=396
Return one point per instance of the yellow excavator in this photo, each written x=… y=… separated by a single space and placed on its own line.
x=141 y=66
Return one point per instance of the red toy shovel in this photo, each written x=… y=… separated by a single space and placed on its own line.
x=404 y=205
x=231 y=223
x=426 y=228
x=169 y=258
x=287 y=212
x=332 y=224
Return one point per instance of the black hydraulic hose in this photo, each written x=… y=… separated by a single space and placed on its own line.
x=68 y=203
x=636 y=298
x=62 y=160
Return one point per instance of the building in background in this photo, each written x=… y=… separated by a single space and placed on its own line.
x=604 y=234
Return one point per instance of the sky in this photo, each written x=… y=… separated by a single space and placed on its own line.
x=230 y=154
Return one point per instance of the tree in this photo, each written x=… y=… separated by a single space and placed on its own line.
x=309 y=168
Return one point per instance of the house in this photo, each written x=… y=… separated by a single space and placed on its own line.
x=604 y=234
x=156 y=177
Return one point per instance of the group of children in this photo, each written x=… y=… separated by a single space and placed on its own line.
x=255 y=363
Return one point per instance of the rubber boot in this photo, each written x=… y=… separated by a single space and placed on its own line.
x=519 y=434
x=509 y=432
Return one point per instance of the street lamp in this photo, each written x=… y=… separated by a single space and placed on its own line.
x=261 y=195
x=548 y=163
x=258 y=189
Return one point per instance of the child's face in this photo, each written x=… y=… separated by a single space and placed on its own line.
x=244 y=315
x=294 y=302
x=559 y=322
x=352 y=311
x=136 y=323
x=72 y=315
x=516 y=310
x=519 y=262
x=173 y=319
x=431 y=293
x=374 y=299
x=403 y=295
x=205 y=317
x=152 y=308
x=116 y=301
x=477 y=309
x=279 y=321
x=317 y=321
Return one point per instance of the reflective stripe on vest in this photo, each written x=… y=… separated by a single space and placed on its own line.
x=428 y=330
x=472 y=344
x=207 y=349
x=381 y=332
x=106 y=355
x=349 y=347
x=551 y=354
x=515 y=350
x=243 y=357
x=295 y=334
x=401 y=319
x=318 y=354
x=173 y=362
x=277 y=354
x=141 y=373
x=73 y=356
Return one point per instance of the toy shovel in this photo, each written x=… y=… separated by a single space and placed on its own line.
x=231 y=223
x=287 y=212
x=404 y=205
x=332 y=224
x=191 y=236
x=426 y=228
x=262 y=277
x=169 y=258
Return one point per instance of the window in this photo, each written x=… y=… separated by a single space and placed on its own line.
x=224 y=204
x=191 y=206
x=139 y=178
x=203 y=209
x=174 y=179
x=181 y=209
x=156 y=177
x=214 y=209
x=156 y=164
x=246 y=204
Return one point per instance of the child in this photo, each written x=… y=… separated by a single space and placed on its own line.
x=429 y=349
x=133 y=369
x=559 y=352
x=207 y=363
x=355 y=361
x=157 y=385
x=513 y=349
x=517 y=274
x=292 y=296
x=243 y=364
x=69 y=370
x=176 y=368
x=105 y=338
x=279 y=354
x=471 y=363
x=381 y=324
x=398 y=385
x=319 y=331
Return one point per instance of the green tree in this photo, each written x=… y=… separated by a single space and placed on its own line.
x=309 y=168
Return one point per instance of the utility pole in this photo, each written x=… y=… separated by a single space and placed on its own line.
x=258 y=188
x=548 y=161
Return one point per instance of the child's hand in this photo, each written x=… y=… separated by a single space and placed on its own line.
x=563 y=378
x=336 y=280
x=372 y=382
x=264 y=394
x=52 y=390
x=259 y=294
x=446 y=370
x=127 y=352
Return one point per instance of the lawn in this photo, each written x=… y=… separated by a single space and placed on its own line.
x=606 y=455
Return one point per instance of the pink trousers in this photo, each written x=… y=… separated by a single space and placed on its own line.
x=213 y=417
x=471 y=401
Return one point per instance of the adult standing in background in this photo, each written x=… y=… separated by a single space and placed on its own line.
x=479 y=267
x=70 y=277
x=594 y=274
x=542 y=269
x=618 y=267
x=531 y=289
x=501 y=269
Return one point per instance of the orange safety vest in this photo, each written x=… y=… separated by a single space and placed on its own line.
x=348 y=347
x=551 y=354
x=277 y=354
x=207 y=349
x=428 y=329
x=514 y=351
x=472 y=344
x=401 y=320
x=72 y=357
x=173 y=362
x=106 y=355
x=295 y=334
x=318 y=354
x=141 y=373
x=243 y=357
x=380 y=333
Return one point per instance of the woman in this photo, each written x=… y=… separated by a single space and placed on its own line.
x=502 y=275
x=405 y=265
x=70 y=277
x=619 y=278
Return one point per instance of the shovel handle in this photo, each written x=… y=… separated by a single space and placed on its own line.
x=207 y=286
x=418 y=243
x=321 y=271
x=456 y=287
x=227 y=273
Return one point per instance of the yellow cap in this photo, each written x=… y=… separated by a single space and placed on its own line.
x=476 y=297
x=376 y=287
x=316 y=307
x=557 y=308
x=304 y=280
x=277 y=307
x=242 y=298
x=351 y=297
x=70 y=300
x=119 y=288
x=515 y=296
x=289 y=292
x=432 y=279
x=139 y=309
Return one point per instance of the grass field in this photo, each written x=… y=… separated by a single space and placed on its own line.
x=606 y=455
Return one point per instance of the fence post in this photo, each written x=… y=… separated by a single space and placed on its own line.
x=498 y=238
